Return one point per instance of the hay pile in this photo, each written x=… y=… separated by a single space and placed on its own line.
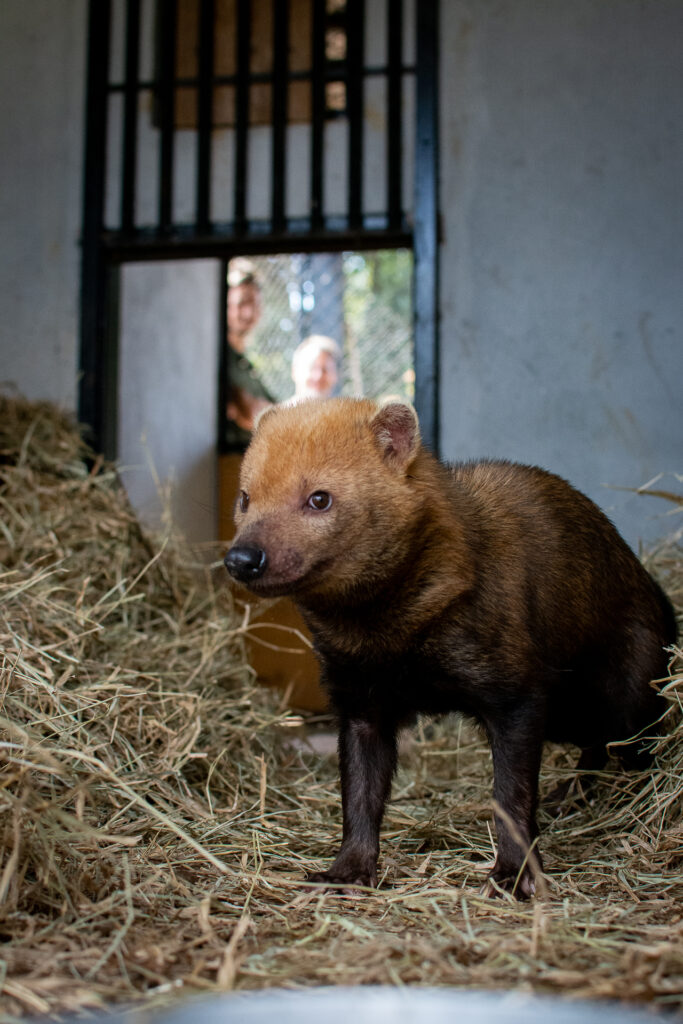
x=159 y=810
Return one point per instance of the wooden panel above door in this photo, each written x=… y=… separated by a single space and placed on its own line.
x=226 y=60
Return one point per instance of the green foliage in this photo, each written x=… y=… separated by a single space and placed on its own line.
x=377 y=312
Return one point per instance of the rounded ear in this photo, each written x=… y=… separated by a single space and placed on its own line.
x=397 y=430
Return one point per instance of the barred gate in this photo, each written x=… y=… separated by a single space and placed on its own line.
x=260 y=127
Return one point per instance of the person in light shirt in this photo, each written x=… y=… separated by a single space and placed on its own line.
x=315 y=367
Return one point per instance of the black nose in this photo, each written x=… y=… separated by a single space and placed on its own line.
x=245 y=563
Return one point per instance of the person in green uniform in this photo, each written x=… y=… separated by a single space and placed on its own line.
x=247 y=395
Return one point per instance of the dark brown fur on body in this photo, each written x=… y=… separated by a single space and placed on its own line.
x=488 y=588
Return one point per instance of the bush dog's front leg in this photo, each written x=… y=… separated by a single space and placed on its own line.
x=367 y=760
x=516 y=745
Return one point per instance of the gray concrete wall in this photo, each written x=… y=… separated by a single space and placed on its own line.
x=562 y=192
x=42 y=68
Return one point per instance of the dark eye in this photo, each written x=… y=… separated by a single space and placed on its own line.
x=244 y=501
x=320 y=501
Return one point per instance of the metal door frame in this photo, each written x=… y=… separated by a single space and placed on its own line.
x=105 y=251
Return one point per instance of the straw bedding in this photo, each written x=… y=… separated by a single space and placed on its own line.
x=159 y=809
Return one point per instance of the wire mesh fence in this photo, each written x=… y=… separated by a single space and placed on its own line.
x=360 y=300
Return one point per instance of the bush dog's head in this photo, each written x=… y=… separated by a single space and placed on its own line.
x=325 y=496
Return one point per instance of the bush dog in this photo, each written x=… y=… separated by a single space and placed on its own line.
x=488 y=588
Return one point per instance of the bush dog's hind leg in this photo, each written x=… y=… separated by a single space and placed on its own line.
x=516 y=739
x=367 y=761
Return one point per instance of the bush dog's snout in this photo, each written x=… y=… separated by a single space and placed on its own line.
x=245 y=562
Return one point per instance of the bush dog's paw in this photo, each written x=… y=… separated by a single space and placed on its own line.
x=348 y=880
x=521 y=886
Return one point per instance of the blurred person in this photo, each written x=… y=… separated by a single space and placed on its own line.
x=247 y=395
x=315 y=367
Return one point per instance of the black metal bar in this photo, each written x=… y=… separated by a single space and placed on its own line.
x=242 y=60
x=166 y=107
x=280 y=88
x=426 y=235
x=95 y=408
x=110 y=302
x=205 y=113
x=317 y=113
x=296 y=237
x=394 y=85
x=130 y=114
x=256 y=78
x=355 y=59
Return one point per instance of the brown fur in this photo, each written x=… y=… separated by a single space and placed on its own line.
x=489 y=588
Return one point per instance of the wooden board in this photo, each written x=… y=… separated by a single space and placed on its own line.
x=225 y=63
